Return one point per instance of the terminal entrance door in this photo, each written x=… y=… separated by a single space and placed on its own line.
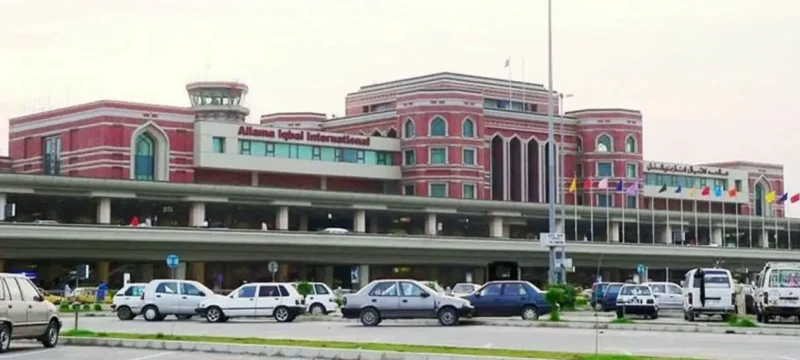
x=503 y=270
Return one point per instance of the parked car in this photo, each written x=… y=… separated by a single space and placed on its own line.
x=636 y=299
x=435 y=286
x=162 y=298
x=778 y=293
x=608 y=301
x=278 y=300
x=25 y=314
x=127 y=302
x=403 y=299
x=596 y=298
x=464 y=289
x=321 y=300
x=708 y=292
x=509 y=298
x=668 y=295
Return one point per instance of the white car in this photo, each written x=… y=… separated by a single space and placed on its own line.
x=279 y=300
x=464 y=289
x=321 y=300
x=162 y=298
x=127 y=302
x=669 y=295
x=636 y=299
x=708 y=292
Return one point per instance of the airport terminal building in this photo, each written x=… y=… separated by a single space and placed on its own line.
x=440 y=177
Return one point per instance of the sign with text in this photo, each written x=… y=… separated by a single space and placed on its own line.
x=552 y=239
x=303 y=135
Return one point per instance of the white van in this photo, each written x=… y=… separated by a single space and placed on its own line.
x=708 y=292
x=778 y=292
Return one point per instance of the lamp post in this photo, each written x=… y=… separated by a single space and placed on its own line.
x=561 y=147
x=551 y=191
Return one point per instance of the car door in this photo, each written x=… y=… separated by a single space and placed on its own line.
x=675 y=296
x=661 y=295
x=132 y=297
x=512 y=299
x=385 y=296
x=269 y=297
x=486 y=300
x=243 y=303
x=191 y=297
x=324 y=295
x=415 y=302
x=37 y=310
x=168 y=297
x=17 y=309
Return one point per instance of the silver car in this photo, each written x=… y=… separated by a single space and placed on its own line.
x=669 y=295
x=403 y=299
x=25 y=314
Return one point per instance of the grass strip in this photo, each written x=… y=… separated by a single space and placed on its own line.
x=363 y=346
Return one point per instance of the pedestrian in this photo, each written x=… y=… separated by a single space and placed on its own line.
x=205 y=223
x=67 y=290
x=264 y=226
x=135 y=221
x=148 y=222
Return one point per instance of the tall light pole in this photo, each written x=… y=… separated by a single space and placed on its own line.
x=551 y=158
x=561 y=147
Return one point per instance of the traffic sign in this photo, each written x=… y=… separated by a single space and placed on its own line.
x=640 y=269
x=173 y=261
x=272 y=266
x=567 y=263
x=552 y=239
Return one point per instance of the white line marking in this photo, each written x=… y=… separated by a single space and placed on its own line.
x=26 y=353
x=488 y=346
x=787 y=358
x=152 y=356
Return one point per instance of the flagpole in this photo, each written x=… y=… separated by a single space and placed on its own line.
x=624 y=207
x=724 y=233
x=775 y=215
x=575 y=204
x=523 y=89
x=764 y=238
x=710 y=230
x=510 y=97
x=638 y=218
x=788 y=229
x=683 y=236
x=750 y=218
x=608 y=216
x=737 y=223
x=591 y=211
x=653 y=217
x=696 y=225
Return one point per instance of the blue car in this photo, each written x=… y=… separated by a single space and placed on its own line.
x=598 y=290
x=609 y=300
x=509 y=298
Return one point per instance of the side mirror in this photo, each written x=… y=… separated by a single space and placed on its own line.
x=477 y=294
x=425 y=295
x=38 y=298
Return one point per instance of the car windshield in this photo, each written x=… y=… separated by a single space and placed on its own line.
x=715 y=279
x=464 y=288
x=635 y=290
x=784 y=278
x=613 y=288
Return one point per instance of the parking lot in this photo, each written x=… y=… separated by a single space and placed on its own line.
x=711 y=346
x=31 y=351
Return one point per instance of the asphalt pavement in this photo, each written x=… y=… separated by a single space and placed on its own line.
x=35 y=351
x=707 y=346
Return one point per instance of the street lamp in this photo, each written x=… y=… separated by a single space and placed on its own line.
x=551 y=191
x=561 y=147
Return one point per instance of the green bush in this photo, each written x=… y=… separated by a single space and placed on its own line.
x=555 y=316
x=63 y=307
x=86 y=307
x=98 y=307
x=76 y=307
x=304 y=288
x=581 y=301
x=562 y=295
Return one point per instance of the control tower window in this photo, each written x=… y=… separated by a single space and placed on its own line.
x=145 y=158
x=604 y=143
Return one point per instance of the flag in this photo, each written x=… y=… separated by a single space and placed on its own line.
x=508 y=62
x=619 y=186
x=706 y=191
x=718 y=191
x=770 y=197
x=692 y=191
x=633 y=189
x=603 y=184
x=795 y=198
x=732 y=192
x=573 y=186
x=587 y=184
x=783 y=198
x=678 y=189
x=663 y=188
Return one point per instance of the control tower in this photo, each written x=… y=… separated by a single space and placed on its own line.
x=218 y=100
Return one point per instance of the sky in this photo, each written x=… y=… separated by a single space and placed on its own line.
x=716 y=80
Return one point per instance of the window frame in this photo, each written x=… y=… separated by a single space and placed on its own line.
x=437 y=183
x=430 y=155
x=635 y=145
x=412 y=186
x=597 y=169
x=218 y=144
x=474 y=191
x=474 y=151
x=430 y=126
x=464 y=124
x=406 y=135
x=610 y=143
x=248 y=147
x=635 y=170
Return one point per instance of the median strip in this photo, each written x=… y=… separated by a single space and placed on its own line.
x=289 y=344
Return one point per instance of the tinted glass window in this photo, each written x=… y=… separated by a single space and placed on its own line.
x=612 y=289
x=167 y=288
x=247 y=292
x=635 y=290
x=134 y=291
x=514 y=290
x=410 y=289
x=674 y=289
x=320 y=289
x=714 y=281
x=659 y=289
x=269 y=291
x=29 y=292
x=492 y=290
x=388 y=288
x=464 y=288
x=13 y=290
x=190 y=290
x=283 y=290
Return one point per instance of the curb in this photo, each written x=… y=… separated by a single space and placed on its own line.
x=293 y=352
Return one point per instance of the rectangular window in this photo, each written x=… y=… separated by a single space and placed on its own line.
x=270 y=150
x=51 y=155
x=579 y=171
x=438 y=156
x=468 y=156
x=630 y=171
x=218 y=144
x=244 y=147
x=469 y=191
x=381 y=160
x=604 y=200
x=316 y=153
x=738 y=185
x=438 y=190
x=409 y=158
x=409 y=190
x=631 y=202
x=349 y=155
x=605 y=169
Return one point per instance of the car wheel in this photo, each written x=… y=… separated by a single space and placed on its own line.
x=151 y=313
x=620 y=315
x=5 y=338
x=370 y=317
x=50 y=338
x=183 y=317
x=654 y=315
x=448 y=316
x=759 y=318
x=726 y=317
x=766 y=318
x=214 y=314
x=530 y=313
x=282 y=314
x=124 y=313
x=690 y=316
x=317 y=309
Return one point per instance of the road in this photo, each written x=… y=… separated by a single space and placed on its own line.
x=707 y=346
x=35 y=351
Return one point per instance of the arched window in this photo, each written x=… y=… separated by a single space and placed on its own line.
x=468 y=129
x=408 y=129
x=438 y=127
x=145 y=167
x=579 y=145
x=603 y=143
x=630 y=144
x=762 y=208
x=392 y=133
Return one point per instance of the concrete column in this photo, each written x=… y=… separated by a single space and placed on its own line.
x=253 y=178
x=664 y=235
x=283 y=272
x=282 y=218
x=506 y=230
x=763 y=238
x=102 y=271
x=197 y=214
x=560 y=226
x=506 y=170
x=431 y=227
x=373 y=224
x=496 y=226
x=2 y=207
x=180 y=271
x=198 y=271
x=146 y=273
x=363 y=275
x=303 y=222
x=104 y=211
x=613 y=231
x=327 y=275
x=479 y=275
x=360 y=221
x=716 y=236
x=323 y=183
